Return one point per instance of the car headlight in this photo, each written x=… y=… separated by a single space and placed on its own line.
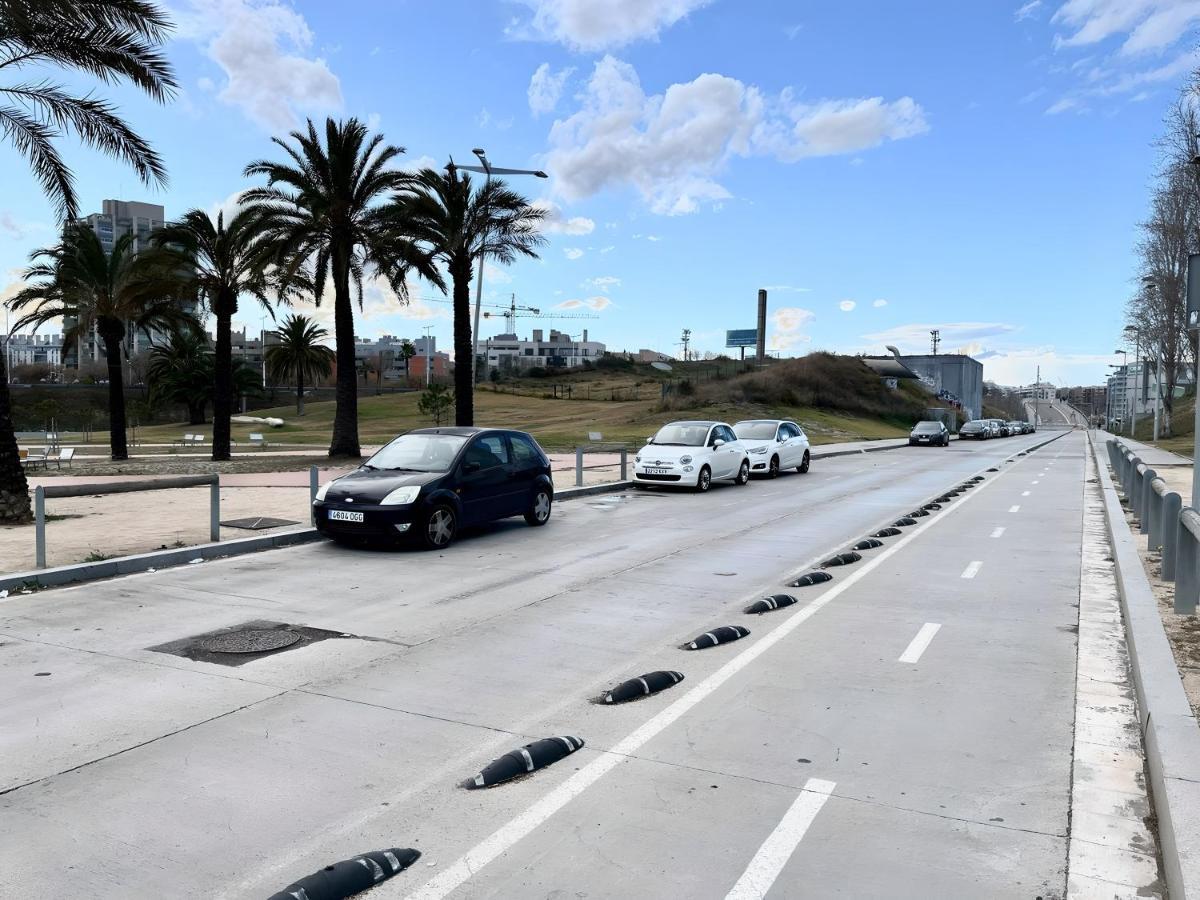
x=401 y=495
x=322 y=490
x=757 y=451
x=684 y=460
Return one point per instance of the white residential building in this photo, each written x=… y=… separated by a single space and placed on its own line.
x=507 y=351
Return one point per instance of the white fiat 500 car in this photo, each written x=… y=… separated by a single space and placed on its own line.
x=692 y=454
x=773 y=444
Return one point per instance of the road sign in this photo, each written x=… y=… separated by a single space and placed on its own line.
x=741 y=337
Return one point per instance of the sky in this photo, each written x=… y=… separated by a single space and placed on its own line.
x=880 y=168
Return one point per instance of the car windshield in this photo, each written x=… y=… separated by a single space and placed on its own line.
x=972 y=426
x=682 y=434
x=928 y=427
x=419 y=453
x=754 y=431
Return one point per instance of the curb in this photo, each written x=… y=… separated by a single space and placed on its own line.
x=1169 y=728
x=832 y=453
x=163 y=559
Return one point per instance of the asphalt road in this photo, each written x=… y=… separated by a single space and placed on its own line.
x=904 y=731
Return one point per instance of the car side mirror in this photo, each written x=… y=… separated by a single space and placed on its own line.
x=649 y=440
x=718 y=442
x=471 y=467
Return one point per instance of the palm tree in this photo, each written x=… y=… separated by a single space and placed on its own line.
x=80 y=282
x=181 y=371
x=300 y=355
x=328 y=222
x=219 y=263
x=407 y=352
x=461 y=226
x=112 y=42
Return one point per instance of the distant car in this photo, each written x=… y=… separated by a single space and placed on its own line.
x=774 y=444
x=932 y=433
x=427 y=484
x=1015 y=427
x=999 y=427
x=975 y=430
x=692 y=454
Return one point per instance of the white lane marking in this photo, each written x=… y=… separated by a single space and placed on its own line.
x=1035 y=481
x=779 y=846
x=920 y=642
x=997 y=532
x=508 y=834
x=1016 y=508
x=1025 y=493
x=972 y=568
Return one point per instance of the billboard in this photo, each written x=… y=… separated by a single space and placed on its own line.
x=741 y=337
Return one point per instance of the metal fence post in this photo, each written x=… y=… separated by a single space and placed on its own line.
x=578 y=467
x=214 y=510
x=1154 y=513
x=1171 y=506
x=312 y=493
x=624 y=464
x=1186 y=587
x=39 y=512
x=1147 y=492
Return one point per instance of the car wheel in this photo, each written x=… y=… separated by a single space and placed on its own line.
x=773 y=467
x=539 y=510
x=704 y=480
x=803 y=467
x=743 y=476
x=440 y=527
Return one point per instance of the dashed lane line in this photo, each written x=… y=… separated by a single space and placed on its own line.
x=920 y=643
x=972 y=568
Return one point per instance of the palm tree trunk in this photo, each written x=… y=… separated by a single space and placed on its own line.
x=299 y=392
x=464 y=409
x=112 y=333
x=223 y=380
x=345 y=417
x=14 y=489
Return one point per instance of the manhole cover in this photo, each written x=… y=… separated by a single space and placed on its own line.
x=248 y=640
x=256 y=523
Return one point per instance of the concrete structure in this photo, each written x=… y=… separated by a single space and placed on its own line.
x=33 y=349
x=1043 y=390
x=507 y=351
x=384 y=355
x=951 y=376
x=907 y=720
x=1092 y=399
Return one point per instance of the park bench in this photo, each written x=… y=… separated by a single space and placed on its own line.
x=257 y=440
x=65 y=455
x=31 y=459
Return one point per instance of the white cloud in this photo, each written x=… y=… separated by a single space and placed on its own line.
x=1028 y=11
x=573 y=252
x=847 y=305
x=789 y=325
x=373 y=120
x=592 y=25
x=604 y=283
x=609 y=249
x=262 y=46
x=671 y=147
x=416 y=163
x=915 y=337
x=556 y=222
x=1149 y=24
x=546 y=87
x=495 y=275
x=1066 y=104
x=879 y=303
x=594 y=303
x=785 y=289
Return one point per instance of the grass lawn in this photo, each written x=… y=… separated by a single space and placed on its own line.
x=557 y=424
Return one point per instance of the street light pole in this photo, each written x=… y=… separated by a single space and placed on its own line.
x=487 y=169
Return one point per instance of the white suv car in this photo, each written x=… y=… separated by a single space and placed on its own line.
x=774 y=444
x=692 y=454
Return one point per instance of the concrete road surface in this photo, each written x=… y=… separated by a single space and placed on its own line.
x=906 y=730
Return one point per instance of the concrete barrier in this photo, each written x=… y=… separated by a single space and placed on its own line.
x=1168 y=725
x=1187 y=562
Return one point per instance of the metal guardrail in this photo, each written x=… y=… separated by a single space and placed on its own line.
x=579 y=466
x=41 y=492
x=1169 y=525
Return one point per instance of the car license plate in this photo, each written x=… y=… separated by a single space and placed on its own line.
x=650 y=471
x=341 y=515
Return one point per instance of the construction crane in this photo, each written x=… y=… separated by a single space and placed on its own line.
x=512 y=312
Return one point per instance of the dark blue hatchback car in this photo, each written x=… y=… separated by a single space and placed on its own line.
x=429 y=483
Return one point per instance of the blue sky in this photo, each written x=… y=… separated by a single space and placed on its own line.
x=882 y=168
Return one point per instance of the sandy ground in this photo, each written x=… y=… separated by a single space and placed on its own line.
x=80 y=529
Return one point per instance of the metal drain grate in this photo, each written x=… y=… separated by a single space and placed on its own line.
x=256 y=523
x=248 y=641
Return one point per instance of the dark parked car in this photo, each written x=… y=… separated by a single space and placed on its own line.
x=933 y=433
x=975 y=430
x=428 y=483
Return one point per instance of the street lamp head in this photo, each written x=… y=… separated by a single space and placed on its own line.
x=478 y=151
x=540 y=174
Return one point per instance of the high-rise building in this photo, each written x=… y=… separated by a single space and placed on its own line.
x=119 y=218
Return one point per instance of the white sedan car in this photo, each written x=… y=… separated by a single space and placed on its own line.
x=773 y=444
x=692 y=454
